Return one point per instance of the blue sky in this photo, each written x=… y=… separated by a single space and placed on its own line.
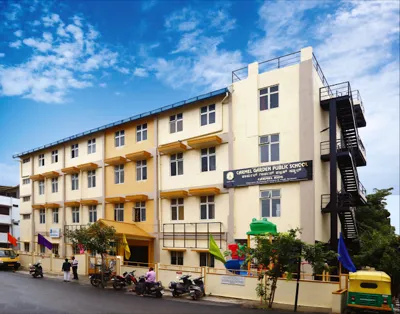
x=66 y=67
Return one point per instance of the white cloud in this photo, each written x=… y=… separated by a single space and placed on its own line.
x=50 y=20
x=184 y=20
x=42 y=46
x=9 y=173
x=148 y=4
x=188 y=42
x=18 y=33
x=2 y=54
x=222 y=21
x=118 y=93
x=103 y=85
x=122 y=70
x=140 y=72
x=13 y=11
x=16 y=44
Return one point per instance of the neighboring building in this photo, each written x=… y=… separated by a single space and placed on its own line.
x=266 y=147
x=9 y=214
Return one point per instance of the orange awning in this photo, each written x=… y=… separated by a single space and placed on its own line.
x=142 y=155
x=137 y=198
x=51 y=205
x=174 y=249
x=88 y=166
x=172 y=148
x=70 y=170
x=130 y=230
x=203 y=142
x=72 y=204
x=204 y=191
x=89 y=202
x=37 y=177
x=38 y=206
x=200 y=250
x=51 y=174
x=174 y=194
x=115 y=160
x=115 y=200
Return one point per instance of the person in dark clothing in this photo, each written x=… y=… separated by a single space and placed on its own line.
x=75 y=267
x=66 y=268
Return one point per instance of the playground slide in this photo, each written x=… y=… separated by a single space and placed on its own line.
x=234 y=264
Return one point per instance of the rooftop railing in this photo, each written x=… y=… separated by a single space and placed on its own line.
x=357 y=98
x=334 y=91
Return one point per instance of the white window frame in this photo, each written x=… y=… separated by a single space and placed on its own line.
x=74 y=151
x=75 y=211
x=266 y=92
x=176 y=204
x=141 y=169
x=54 y=156
x=209 y=203
x=176 y=123
x=55 y=216
x=208 y=113
x=74 y=181
x=26 y=181
x=91 y=174
x=119 y=138
x=92 y=213
x=41 y=187
x=175 y=160
x=54 y=185
x=42 y=216
x=270 y=142
x=91 y=146
x=141 y=132
x=41 y=160
x=268 y=195
x=206 y=154
x=119 y=174
x=119 y=212
x=140 y=207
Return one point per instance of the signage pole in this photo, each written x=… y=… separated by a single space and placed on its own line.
x=297 y=284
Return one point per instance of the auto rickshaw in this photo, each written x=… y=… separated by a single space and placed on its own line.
x=369 y=292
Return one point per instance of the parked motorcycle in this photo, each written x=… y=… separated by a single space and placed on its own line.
x=155 y=289
x=125 y=280
x=182 y=286
x=36 y=270
x=197 y=289
x=95 y=279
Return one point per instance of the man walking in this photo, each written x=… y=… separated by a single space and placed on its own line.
x=75 y=267
x=66 y=268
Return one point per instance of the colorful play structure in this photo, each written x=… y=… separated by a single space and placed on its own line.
x=257 y=227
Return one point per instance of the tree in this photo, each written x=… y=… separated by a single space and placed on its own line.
x=94 y=238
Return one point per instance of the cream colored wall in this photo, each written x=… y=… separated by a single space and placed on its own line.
x=248 y=206
x=191 y=123
x=94 y=192
x=192 y=174
x=54 y=197
x=26 y=169
x=25 y=207
x=48 y=166
x=190 y=258
x=39 y=199
x=83 y=214
x=72 y=195
x=83 y=156
x=25 y=189
x=25 y=230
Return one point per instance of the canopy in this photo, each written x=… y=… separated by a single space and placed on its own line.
x=130 y=230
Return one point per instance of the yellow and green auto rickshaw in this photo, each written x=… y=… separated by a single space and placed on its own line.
x=369 y=291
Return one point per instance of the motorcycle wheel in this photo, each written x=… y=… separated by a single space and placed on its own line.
x=175 y=294
x=117 y=286
x=34 y=275
x=159 y=294
x=196 y=296
x=95 y=282
x=41 y=275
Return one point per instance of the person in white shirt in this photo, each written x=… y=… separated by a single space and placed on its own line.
x=75 y=267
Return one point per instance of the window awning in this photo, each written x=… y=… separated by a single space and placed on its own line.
x=70 y=170
x=38 y=206
x=37 y=177
x=72 y=204
x=137 y=198
x=89 y=202
x=115 y=200
x=174 y=194
x=130 y=230
x=172 y=148
x=204 y=191
x=142 y=155
x=119 y=160
x=200 y=250
x=174 y=249
x=51 y=174
x=88 y=166
x=51 y=205
x=204 y=142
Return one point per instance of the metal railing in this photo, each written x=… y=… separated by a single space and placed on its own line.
x=357 y=97
x=340 y=146
x=334 y=91
x=319 y=71
x=362 y=189
x=240 y=74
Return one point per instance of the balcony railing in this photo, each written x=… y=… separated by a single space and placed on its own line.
x=362 y=189
x=324 y=147
x=335 y=91
x=357 y=99
x=319 y=71
x=5 y=219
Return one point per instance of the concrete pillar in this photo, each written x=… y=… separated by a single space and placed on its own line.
x=306 y=54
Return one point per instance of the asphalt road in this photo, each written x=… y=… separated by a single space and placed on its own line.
x=20 y=293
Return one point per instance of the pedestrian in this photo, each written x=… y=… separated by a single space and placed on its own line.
x=66 y=268
x=75 y=267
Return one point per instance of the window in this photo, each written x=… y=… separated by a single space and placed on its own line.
x=41 y=187
x=75 y=215
x=140 y=211
x=270 y=203
x=269 y=148
x=91 y=178
x=54 y=156
x=26 y=246
x=55 y=249
x=207 y=259
x=26 y=198
x=91 y=146
x=26 y=181
x=119 y=138
x=74 y=181
x=176 y=123
x=92 y=213
x=141 y=132
x=207 y=115
x=26 y=216
x=26 y=160
x=141 y=170
x=208 y=159
x=76 y=250
x=177 y=164
x=368 y=285
x=74 y=151
x=54 y=185
x=207 y=207
x=42 y=216
x=42 y=249
x=176 y=258
x=119 y=174
x=177 y=209
x=55 y=216
x=41 y=160
x=269 y=97
x=119 y=212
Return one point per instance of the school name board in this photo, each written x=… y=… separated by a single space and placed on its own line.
x=280 y=173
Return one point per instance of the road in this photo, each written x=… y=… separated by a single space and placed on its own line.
x=20 y=293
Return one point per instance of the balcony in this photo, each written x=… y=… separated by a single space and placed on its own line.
x=343 y=202
x=192 y=235
x=3 y=237
x=359 y=110
x=5 y=219
x=358 y=151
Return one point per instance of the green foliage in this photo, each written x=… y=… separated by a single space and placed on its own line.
x=317 y=255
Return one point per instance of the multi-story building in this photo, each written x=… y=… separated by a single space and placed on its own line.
x=9 y=214
x=279 y=143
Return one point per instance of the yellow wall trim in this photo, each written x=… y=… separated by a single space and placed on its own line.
x=89 y=202
x=72 y=204
x=142 y=155
x=87 y=166
x=36 y=177
x=137 y=198
x=51 y=174
x=204 y=191
x=70 y=170
x=203 y=142
x=172 y=148
x=115 y=160
x=115 y=200
x=174 y=194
